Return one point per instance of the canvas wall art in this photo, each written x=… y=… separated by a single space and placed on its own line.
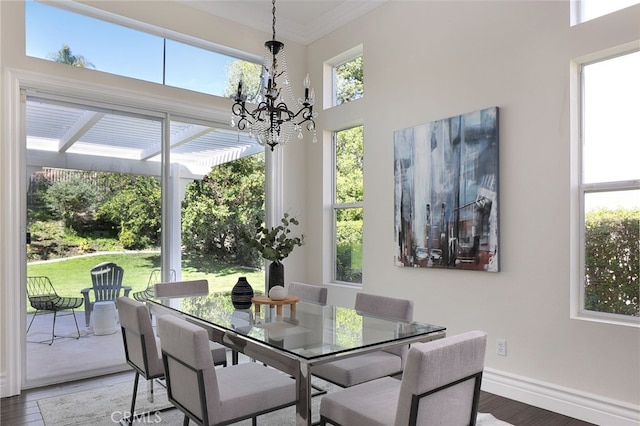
x=446 y=193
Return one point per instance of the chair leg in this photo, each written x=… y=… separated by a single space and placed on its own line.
x=254 y=421
x=31 y=322
x=87 y=313
x=53 y=328
x=73 y=312
x=129 y=419
x=185 y=422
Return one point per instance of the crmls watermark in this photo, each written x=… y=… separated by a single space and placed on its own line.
x=144 y=418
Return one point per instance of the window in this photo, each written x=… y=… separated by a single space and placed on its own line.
x=591 y=9
x=80 y=40
x=348 y=80
x=348 y=204
x=610 y=187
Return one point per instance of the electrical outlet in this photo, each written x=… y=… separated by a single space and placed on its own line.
x=501 y=347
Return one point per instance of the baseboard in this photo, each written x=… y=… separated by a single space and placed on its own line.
x=81 y=375
x=569 y=402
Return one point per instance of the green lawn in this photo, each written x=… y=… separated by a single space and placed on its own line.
x=69 y=276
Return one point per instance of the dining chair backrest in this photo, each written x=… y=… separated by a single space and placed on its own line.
x=155 y=277
x=386 y=307
x=441 y=381
x=140 y=345
x=106 y=279
x=308 y=292
x=192 y=383
x=182 y=288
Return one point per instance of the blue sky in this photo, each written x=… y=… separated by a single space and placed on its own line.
x=121 y=50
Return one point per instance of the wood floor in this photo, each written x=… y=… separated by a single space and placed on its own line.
x=23 y=409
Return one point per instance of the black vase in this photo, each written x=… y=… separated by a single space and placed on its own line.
x=276 y=275
x=241 y=294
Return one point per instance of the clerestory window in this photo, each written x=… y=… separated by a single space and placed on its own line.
x=133 y=50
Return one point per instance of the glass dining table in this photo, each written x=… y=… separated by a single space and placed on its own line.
x=299 y=339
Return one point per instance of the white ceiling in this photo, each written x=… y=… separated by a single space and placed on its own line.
x=301 y=21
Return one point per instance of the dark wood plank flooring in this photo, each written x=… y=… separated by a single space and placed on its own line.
x=23 y=409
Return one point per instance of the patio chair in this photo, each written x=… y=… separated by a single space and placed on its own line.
x=373 y=365
x=43 y=298
x=441 y=386
x=106 y=279
x=216 y=397
x=154 y=278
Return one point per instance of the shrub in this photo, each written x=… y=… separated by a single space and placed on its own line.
x=612 y=262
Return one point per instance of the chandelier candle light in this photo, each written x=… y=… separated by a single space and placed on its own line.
x=272 y=122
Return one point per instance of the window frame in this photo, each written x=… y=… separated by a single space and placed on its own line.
x=335 y=206
x=583 y=189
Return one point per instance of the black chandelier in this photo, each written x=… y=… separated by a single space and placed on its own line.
x=272 y=122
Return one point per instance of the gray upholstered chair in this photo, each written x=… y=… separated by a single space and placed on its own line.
x=351 y=371
x=142 y=349
x=215 y=397
x=308 y=292
x=192 y=288
x=440 y=386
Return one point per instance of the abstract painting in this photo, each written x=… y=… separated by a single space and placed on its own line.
x=446 y=193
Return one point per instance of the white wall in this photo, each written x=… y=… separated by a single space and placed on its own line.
x=430 y=60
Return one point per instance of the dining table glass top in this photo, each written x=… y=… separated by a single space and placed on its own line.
x=306 y=330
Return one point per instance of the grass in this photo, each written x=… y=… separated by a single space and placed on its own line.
x=71 y=275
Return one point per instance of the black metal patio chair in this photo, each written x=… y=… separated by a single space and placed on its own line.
x=43 y=298
x=154 y=278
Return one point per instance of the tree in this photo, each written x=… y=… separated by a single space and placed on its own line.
x=612 y=261
x=350 y=81
x=67 y=199
x=136 y=210
x=223 y=206
x=250 y=74
x=65 y=56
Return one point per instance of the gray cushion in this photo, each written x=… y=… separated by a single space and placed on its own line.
x=252 y=387
x=369 y=404
x=361 y=368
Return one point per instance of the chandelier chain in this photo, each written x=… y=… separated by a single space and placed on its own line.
x=273 y=11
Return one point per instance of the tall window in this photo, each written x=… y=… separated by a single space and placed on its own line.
x=348 y=204
x=610 y=187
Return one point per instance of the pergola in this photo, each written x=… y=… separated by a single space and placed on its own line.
x=67 y=135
